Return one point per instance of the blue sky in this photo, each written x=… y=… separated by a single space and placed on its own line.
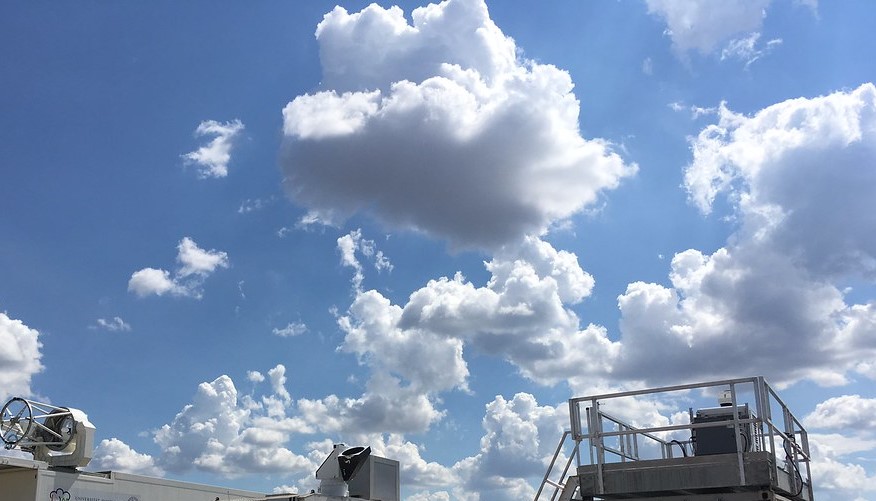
x=233 y=233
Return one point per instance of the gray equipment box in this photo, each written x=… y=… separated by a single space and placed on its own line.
x=720 y=439
x=378 y=480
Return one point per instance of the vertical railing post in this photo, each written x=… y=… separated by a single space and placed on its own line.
x=737 y=434
x=575 y=419
x=765 y=417
x=804 y=437
x=636 y=445
x=590 y=445
x=794 y=469
x=598 y=442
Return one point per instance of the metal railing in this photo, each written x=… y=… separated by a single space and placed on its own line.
x=609 y=439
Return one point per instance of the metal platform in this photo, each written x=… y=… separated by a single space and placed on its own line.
x=735 y=452
x=687 y=477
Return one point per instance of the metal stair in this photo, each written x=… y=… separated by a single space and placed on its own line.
x=565 y=486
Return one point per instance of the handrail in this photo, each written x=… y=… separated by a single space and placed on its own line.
x=665 y=389
x=788 y=439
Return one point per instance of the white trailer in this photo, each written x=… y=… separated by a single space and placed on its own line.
x=31 y=480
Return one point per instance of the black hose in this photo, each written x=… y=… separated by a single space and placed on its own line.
x=680 y=445
x=745 y=442
x=794 y=464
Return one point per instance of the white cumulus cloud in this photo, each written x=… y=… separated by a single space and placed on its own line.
x=847 y=411
x=114 y=455
x=387 y=405
x=521 y=314
x=438 y=126
x=217 y=432
x=801 y=174
x=212 y=159
x=20 y=354
x=154 y=281
x=195 y=265
x=222 y=432
x=837 y=478
x=196 y=261
x=800 y=178
x=520 y=437
x=836 y=466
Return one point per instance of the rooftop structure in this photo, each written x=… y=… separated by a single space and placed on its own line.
x=748 y=448
x=61 y=440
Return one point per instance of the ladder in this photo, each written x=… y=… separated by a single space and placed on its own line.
x=565 y=485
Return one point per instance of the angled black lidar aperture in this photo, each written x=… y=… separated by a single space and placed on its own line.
x=352 y=460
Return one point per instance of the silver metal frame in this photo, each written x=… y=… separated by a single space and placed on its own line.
x=35 y=432
x=61 y=436
x=787 y=437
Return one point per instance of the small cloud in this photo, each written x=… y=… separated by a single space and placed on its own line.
x=293 y=329
x=747 y=50
x=351 y=243
x=695 y=111
x=197 y=261
x=116 y=324
x=196 y=265
x=311 y=221
x=285 y=489
x=648 y=66
x=252 y=205
x=381 y=262
x=312 y=218
x=212 y=159
x=113 y=454
x=704 y=26
x=154 y=281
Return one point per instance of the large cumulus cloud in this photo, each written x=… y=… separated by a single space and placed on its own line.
x=847 y=435
x=799 y=176
x=522 y=314
x=802 y=175
x=222 y=433
x=766 y=303
x=737 y=312
x=20 y=354
x=440 y=127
